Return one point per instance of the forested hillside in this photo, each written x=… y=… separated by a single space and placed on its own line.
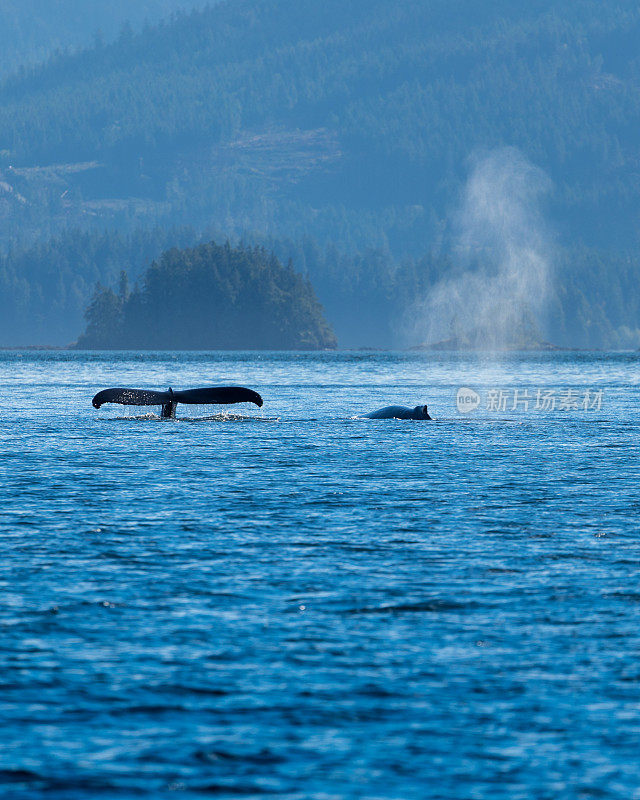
x=33 y=30
x=349 y=121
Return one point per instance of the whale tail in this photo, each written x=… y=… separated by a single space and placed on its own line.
x=207 y=395
x=169 y=409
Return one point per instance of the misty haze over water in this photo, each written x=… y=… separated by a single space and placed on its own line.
x=341 y=136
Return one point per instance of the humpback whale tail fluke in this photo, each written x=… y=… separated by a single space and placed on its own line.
x=169 y=409
x=207 y=395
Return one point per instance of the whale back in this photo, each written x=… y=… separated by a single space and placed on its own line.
x=389 y=412
x=399 y=412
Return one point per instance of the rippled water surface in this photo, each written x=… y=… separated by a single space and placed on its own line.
x=294 y=602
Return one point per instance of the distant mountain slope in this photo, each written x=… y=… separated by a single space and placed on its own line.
x=31 y=30
x=351 y=121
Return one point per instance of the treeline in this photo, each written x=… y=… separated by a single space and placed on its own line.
x=32 y=31
x=210 y=297
x=180 y=116
x=45 y=287
x=593 y=299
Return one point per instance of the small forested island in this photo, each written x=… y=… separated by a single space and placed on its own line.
x=210 y=297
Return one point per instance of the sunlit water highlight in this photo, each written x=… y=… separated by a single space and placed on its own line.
x=294 y=602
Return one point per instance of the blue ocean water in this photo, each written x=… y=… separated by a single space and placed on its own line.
x=294 y=602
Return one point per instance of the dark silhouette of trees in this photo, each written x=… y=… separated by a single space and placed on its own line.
x=210 y=297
